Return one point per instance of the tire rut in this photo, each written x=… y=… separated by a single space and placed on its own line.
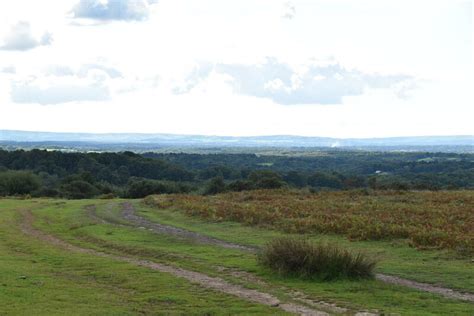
x=426 y=287
x=128 y=213
x=214 y=283
x=91 y=212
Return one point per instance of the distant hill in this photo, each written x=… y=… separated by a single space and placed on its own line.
x=150 y=141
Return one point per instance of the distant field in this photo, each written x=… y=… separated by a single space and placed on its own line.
x=122 y=257
x=443 y=219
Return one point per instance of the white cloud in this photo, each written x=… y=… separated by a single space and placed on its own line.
x=326 y=83
x=289 y=10
x=110 y=71
x=61 y=84
x=21 y=38
x=48 y=92
x=8 y=69
x=127 y=10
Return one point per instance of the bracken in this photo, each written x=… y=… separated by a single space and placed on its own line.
x=440 y=220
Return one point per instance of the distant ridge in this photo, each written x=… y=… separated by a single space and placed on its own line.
x=231 y=141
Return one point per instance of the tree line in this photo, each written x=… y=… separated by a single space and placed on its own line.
x=127 y=174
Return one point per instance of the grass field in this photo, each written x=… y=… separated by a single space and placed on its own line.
x=41 y=277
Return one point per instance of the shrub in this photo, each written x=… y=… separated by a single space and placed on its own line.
x=240 y=185
x=78 y=189
x=106 y=196
x=266 y=179
x=46 y=192
x=325 y=180
x=140 y=188
x=301 y=258
x=18 y=182
x=215 y=186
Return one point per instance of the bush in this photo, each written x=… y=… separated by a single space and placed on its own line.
x=325 y=180
x=215 y=186
x=18 y=182
x=140 y=188
x=106 y=196
x=78 y=189
x=301 y=258
x=46 y=192
x=266 y=179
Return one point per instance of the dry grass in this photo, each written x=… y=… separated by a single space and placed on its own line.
x=442 y=219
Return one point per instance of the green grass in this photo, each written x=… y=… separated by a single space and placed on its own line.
x=206 y=259
x=37 y=279
x=74 y=283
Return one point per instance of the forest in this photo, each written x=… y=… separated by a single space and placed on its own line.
x=127 y=174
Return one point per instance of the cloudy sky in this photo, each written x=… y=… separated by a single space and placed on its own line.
x=338 y=68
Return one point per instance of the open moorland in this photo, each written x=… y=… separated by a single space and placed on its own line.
x=328 y=232
x=194 y=255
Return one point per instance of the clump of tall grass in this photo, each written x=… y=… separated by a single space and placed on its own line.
x=302 y=258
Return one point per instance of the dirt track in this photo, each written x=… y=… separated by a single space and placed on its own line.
x=203 y=280
x=129 y=215
x=449 y=293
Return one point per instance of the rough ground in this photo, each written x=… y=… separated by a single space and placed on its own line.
x=206 y=281
x=129 y=214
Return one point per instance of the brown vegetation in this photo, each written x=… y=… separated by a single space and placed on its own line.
x=440 y=219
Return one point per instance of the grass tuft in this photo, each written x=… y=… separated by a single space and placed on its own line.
x=299 y=257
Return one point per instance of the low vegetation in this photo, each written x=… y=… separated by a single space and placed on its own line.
x=436 y=220
x=302 y=258
x=40 y=277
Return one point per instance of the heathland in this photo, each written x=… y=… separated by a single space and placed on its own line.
x=322 y=233
x=156 y=256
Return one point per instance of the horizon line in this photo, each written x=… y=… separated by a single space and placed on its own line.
x=229 y=136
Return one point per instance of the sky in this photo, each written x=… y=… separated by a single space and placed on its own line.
x=335 y=68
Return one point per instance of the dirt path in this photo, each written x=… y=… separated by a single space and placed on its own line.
x=91 y=211
x=449 y=293
x=203 y=280
x=129 y=215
